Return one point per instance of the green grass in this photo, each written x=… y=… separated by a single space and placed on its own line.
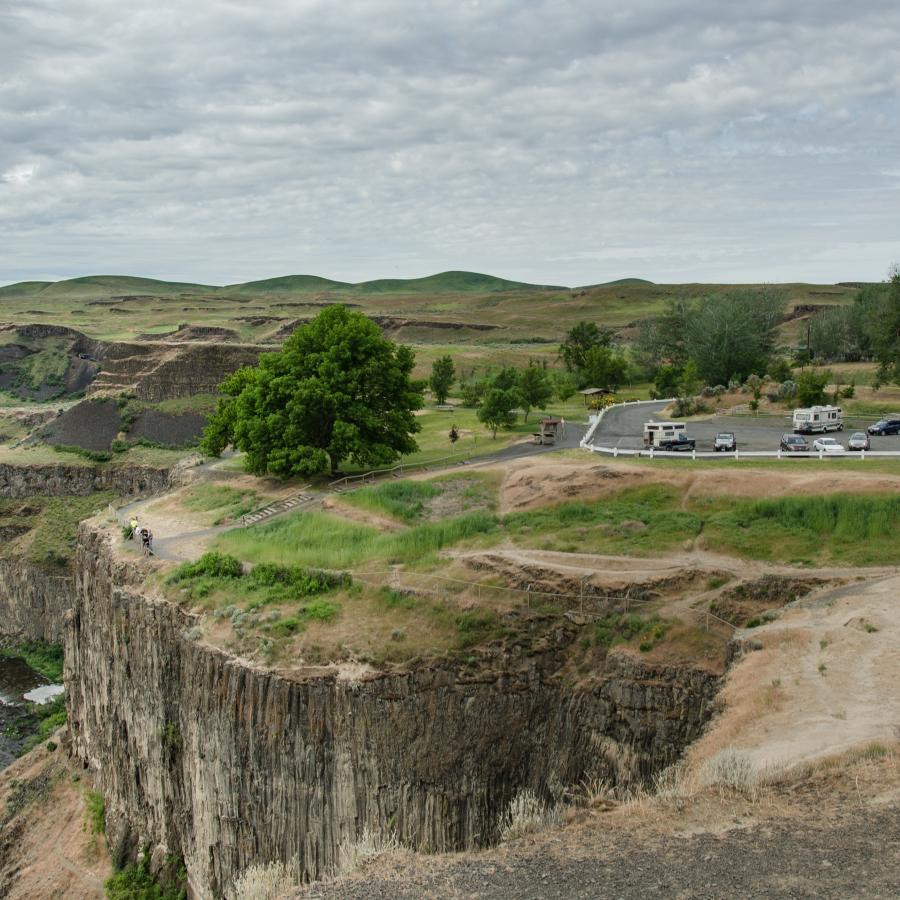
x=324 y=540
x=854 y=529
x=217 y=579
x=46 y=659
x=54 y=525
x=95 y=812
x=46 y=718
x=136 y=882
x=639 y=521
x=404 y=500
x=223 y=502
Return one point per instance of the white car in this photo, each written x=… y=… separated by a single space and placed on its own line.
x=827 y=445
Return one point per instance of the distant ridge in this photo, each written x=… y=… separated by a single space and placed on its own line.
x=288 y=283
x=616 y=283
x=443 y=282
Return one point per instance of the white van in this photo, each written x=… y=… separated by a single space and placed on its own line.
x=656 y=432
x=818 y=419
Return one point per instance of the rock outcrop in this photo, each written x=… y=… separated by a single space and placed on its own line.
x=65 y=480
x=33 y=602
x=202 y=754
x=157 y=371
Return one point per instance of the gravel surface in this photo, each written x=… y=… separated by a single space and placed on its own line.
x=852 y=854
x=92 y=424
x=166 y=428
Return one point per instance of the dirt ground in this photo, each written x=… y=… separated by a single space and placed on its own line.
x=834 y=834
x=46 y=849
x=529 y=483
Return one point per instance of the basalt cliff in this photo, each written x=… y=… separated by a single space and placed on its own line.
x=206 y=756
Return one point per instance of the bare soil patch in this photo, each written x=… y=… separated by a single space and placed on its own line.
x=530 y=483
x=46 y=850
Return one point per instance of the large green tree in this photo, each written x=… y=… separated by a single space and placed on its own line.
x=884 y=325
x=443 y=374
x=337 y=390
x=498 y=409
x=580 y=340
x=604 y=368
x=535 y=387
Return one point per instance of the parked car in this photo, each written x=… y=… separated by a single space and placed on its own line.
x=678 y=442
x=828 y=445
x=859 y=440
x=724 y=441
x=793 y=443
x=885 y=426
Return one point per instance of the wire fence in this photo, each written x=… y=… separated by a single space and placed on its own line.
x=587 y=603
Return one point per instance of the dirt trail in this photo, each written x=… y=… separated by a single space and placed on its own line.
x=46 y=850
x=826 y=679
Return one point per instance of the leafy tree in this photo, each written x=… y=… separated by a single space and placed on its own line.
x=662 y=340
x=811 y=387
x=535 y=387
x=507 y=379
x=565 y=385
x=689 y=383
x=884 y=326
x=337 y=390
x=667 y=380
x=604 y=367
x=779 y=369
x=443 y=374
x=582 y=338
x=498 y=409
x=472 y=392
x=733 y=336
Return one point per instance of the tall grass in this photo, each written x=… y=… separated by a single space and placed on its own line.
x=405 y=500
x=857 y=529
x=839 y=516
x=320 y=539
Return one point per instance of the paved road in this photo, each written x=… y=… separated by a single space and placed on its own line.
x=623 y=427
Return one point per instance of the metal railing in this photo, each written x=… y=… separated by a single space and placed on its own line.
x=424 y=465
x=618 y=602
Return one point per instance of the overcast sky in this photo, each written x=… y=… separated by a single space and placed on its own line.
x=568 y=141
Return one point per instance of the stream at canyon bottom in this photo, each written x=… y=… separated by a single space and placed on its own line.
x=19 y=686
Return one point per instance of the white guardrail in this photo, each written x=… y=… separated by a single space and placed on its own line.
x=653 y=453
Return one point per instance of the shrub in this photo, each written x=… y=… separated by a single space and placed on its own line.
x=95 y=810
x=212 y=564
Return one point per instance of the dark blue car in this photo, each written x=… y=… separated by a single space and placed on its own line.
x=885 y=426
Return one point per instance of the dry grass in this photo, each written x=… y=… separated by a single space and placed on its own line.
x=528 y=814
x=267 y=881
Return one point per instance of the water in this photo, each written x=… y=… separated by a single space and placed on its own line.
x=19 y=685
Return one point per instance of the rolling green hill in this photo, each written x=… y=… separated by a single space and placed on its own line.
x=450 y=282
x=287 y=284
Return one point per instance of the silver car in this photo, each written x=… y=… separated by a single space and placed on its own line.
x=859 y=440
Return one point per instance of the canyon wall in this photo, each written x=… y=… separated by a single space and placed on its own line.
x=201 y=754
x=70 y=480
x=33 y=601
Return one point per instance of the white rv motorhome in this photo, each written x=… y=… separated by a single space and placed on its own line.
x=656 y=432
x=818 y=419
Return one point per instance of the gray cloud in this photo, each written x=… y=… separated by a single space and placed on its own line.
x=571 y=141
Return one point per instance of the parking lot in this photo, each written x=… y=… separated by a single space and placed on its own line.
x=623 y=427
